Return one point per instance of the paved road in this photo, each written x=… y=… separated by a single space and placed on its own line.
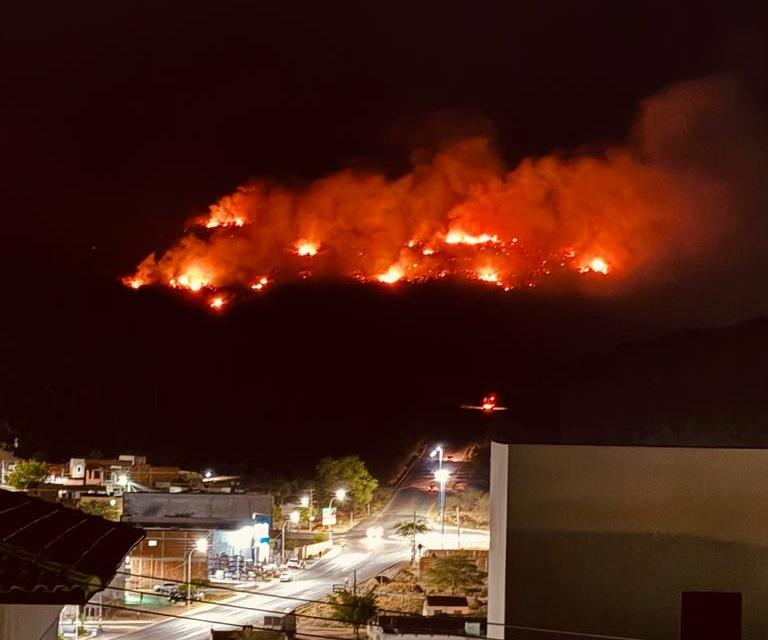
x=355 y=551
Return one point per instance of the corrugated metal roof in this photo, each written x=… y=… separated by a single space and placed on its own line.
x=52 y=554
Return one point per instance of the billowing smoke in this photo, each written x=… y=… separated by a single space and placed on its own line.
x=654 y=208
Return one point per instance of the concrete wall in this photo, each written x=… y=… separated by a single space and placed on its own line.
x=38 y=621
x=604 y=540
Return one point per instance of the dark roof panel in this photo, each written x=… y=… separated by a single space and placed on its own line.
x=52 y=554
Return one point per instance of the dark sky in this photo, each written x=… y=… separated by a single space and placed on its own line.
x=119 y=122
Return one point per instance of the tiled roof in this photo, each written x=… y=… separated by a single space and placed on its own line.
x=51 y=554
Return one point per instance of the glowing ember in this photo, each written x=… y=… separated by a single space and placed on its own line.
x=258 y=286
x=596 y=265
x=135 y=283
x=304 y=248
x=428 y=252
x=394 y=274
x=217 y=303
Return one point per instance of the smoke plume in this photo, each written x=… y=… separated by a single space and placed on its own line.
x=657 y=208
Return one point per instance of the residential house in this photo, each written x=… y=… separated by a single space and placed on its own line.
x=436 y=605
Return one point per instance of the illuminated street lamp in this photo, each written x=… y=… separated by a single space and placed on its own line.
x=306 y=501
x=340 y=495
x=201 y=545
x=442 y=475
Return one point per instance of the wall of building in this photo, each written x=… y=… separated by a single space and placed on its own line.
x=604 y=540
x=162 y=554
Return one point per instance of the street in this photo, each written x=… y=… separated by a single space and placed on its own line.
x=354 y=551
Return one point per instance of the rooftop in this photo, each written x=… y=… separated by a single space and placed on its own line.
x=50 y=554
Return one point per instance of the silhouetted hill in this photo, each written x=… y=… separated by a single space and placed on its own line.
x=690 y=387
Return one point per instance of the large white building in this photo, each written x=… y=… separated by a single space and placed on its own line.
x=646 y=542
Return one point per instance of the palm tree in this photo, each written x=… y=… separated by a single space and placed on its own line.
x=410 y=529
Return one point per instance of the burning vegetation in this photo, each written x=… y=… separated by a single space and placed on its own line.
x=459 y=214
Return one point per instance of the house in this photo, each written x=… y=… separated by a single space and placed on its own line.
x=629 y=540
x=117 y=475
x=445 y=606
x=234 y=526
x=51 y=556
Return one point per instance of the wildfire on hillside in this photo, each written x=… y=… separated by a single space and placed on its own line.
x=604 y=220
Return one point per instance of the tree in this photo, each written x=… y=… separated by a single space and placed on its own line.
x=100 y=508
x=455 y=572
x=349 y=473
x=27 y=474
x=354 y=609
x=410 y=529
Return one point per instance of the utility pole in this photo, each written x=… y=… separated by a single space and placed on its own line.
x=354 y=582
x=413 y=539
x=458 y=528
x=311 y=515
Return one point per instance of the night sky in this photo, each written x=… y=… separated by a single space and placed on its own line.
x=120 y=123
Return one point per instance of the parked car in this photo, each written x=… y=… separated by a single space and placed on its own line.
x=177 y=595
x=286 y=576
x=165 y=588
x=294 y=563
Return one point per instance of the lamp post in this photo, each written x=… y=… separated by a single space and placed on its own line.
x=340 y=495
x=201 y=545
x=441 y=475
x=293 y=519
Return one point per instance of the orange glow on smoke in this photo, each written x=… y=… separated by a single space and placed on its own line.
x=458 y=214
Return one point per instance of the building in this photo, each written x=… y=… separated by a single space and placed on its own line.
x=52 y=556
x=435 y=605
x=118 y=475
x=234 y=526
x=621 y=539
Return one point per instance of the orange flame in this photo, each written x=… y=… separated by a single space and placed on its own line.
x=305 y=248
x=393 y=274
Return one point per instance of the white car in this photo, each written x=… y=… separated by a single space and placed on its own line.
x=286 y=576
x=166 y=588
x=293 y=563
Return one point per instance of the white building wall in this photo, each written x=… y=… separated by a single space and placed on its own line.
x=497 y=559
x=29 y=621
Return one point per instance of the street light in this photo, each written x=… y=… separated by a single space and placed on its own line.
x=339 y=495
x=442 y=475
x=293 y=518
x=201 y=545
x=304 y=501
x=437 y=451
